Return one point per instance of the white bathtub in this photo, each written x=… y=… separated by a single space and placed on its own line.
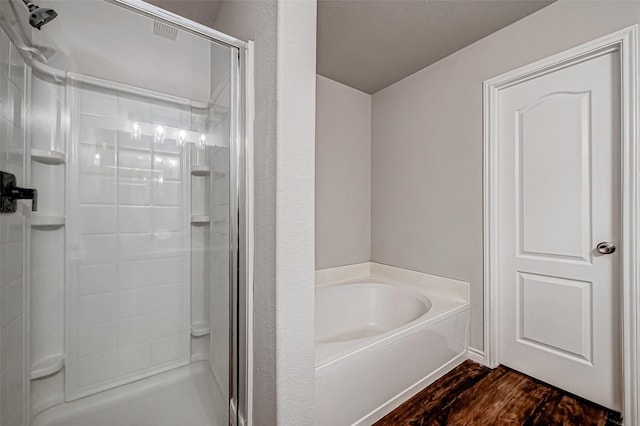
x=381 y=339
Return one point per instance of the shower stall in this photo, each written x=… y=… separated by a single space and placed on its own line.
x=122 y=153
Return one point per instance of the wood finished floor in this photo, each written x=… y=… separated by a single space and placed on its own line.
x=472 y=394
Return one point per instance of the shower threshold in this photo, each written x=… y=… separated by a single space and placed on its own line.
x=185 y=396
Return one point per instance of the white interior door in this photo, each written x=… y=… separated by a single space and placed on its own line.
x=559 y=197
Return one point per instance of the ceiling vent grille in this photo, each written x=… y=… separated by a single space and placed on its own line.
x=164 y=30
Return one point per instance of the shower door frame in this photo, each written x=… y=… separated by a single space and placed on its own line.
x=241 y=235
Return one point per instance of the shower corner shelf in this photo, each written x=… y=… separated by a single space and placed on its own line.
x=47 y=366
x=50 y=158
x=199 y=329
x=198 y=170
x=46 y=221
x=200 y=218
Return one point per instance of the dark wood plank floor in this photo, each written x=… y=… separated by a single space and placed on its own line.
x=472 y=394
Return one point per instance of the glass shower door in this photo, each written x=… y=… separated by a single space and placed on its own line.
x=116 y=291
x=13 y=234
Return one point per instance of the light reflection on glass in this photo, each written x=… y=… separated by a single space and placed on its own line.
x=202 y=141
x=159 y=135
x=136 y=132
x=182 y=138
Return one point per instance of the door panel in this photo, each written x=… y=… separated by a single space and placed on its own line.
x=559 y=197
x=547 y=301
x=550 y=180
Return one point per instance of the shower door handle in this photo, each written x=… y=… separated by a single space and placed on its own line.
x=10 y=194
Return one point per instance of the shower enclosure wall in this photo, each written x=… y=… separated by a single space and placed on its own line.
x=118 y=295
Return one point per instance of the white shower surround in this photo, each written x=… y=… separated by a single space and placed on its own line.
x=382 y=334
x=50 y=152
x=106 y=343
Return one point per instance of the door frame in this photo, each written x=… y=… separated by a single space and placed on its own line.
x=625 y=42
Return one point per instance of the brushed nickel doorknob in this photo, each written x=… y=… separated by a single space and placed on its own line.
x=605 y=248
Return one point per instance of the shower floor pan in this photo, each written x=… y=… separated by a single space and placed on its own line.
x=185 y=396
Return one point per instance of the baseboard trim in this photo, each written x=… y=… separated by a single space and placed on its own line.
x=477 y=355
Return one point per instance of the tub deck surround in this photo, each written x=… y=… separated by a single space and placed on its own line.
x=454 y=289
x=370 y=317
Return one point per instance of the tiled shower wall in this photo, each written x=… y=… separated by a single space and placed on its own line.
x=133 y=202
x=129 y=280
x=126 y=246
x=12 y=239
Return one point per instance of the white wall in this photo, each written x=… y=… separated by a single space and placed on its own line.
x=283 y=388
x=427 y=143
x=343 y=175
x=295 y=212
x=256 y=20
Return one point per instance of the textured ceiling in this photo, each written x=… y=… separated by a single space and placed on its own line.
x=371 y=44
x=201 y=11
